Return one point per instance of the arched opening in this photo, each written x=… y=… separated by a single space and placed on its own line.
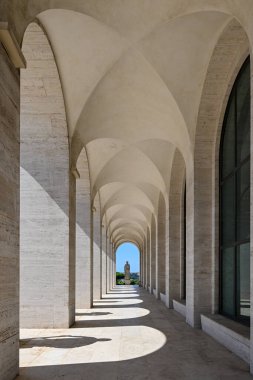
x=127 y=252
x=235 y=201
x=203 y=198
x=47 y=288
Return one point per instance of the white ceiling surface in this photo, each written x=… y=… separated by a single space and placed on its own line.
x=132 y=76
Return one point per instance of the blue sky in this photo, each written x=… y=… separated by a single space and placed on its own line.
x=128 y=252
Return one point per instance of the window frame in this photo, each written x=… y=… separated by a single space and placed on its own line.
x=235 y=172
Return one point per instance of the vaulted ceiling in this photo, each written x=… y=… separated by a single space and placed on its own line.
x=132 y=74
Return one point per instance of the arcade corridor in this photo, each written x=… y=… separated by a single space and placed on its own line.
x=126 y=121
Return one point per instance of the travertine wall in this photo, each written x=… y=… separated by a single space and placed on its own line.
x=113 y=267
x=107 y=264
x=161 y=247
x=9 y=218
x=97 y=258
x=202 y=181
x=104 y=262
x=175 y=238
x=148 y=250
x=83 y=241
x=153 y=255
x=72 y=250
x=47 y=193
x=110 y=266
x=144 y=263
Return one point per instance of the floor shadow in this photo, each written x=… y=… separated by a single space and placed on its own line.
x=119 y=292
x=61 y=341
x=123 y=322
x=93 y=314
x=121 y=298
x=121 y=306
x=105 y=300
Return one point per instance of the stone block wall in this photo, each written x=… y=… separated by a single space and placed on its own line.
x=84 y=265
x=153 y=255
x=161 y=246
x=103 y=253
x=46 y=225
x=9 y=218
x=97 y=258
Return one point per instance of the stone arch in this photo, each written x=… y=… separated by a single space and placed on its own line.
x=124 y=240
x=34 y=8
x=47 y=192
x=202 y=193
x=137 y=245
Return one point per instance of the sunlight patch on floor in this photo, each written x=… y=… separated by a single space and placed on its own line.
x=104 y=333
x=87 y=345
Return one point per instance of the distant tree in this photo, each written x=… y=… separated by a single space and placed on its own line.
x=120 y=275
x=135 y=275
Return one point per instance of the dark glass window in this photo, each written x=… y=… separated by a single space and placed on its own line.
x=235 y=201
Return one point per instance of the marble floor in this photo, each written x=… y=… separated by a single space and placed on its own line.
x=127 y=335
